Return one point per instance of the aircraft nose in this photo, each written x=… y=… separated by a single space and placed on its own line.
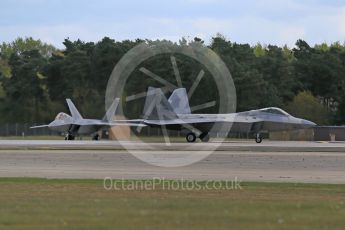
x=308 y=123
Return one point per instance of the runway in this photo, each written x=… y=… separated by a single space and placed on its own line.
x=248 y=145
x=275 y=161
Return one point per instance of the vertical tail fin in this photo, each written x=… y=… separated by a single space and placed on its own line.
x=109 y=115
x=157 y=106
x=74 y=112
x=179 y=101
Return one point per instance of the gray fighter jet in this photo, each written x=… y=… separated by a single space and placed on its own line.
x=76 y=125
x=175 y=114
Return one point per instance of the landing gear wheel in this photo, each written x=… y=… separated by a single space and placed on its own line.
x=190 y=137
x=95 y=137
x=204 y=137
x=69 y=137
x=258 y=138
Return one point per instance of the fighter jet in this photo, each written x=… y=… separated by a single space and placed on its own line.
x=76 y=125
x=175 y=113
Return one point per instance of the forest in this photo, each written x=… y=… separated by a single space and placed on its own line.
x=36 y=77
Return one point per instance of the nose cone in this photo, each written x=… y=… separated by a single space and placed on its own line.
x=308 y=124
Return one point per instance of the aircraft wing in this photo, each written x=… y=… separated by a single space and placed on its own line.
x=128 y=124
x=200 y=120
x=39 y=126
x=108 y=124
x=236 y=125
x=178 y=122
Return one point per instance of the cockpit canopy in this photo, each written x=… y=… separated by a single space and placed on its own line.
x=274 y=110
x=62 y=116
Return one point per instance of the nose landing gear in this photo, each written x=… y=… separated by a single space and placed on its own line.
x=258 y=138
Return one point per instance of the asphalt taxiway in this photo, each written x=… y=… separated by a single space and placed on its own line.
x=314 y=162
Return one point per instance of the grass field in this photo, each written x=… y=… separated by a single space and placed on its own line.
x=85 y=204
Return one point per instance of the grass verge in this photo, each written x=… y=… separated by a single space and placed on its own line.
x=29 y=203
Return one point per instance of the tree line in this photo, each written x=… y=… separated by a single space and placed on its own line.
x=36 y=77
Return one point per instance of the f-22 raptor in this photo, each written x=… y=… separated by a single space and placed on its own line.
x=76 y=125
x=175 y=113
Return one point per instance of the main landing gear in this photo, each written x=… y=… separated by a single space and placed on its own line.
x=69 y=137
x=204 y=137
x=95 y=137
x=258 y=138
x=191 y=137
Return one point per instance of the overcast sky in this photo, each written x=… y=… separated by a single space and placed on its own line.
x=243 y=21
